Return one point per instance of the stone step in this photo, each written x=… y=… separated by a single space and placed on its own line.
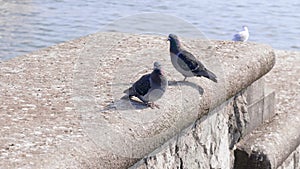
x=271 y=144
x=252 y=107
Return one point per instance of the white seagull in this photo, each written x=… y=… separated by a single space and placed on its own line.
x=242 y=35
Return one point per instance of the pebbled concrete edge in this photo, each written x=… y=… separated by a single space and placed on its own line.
x=270 y=145
x=242 y=64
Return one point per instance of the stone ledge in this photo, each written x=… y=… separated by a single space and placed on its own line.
x=293 y=161
x=250 y=114
x=270 y=145
x=204 y=144
x=63 y=102
x=209 y=142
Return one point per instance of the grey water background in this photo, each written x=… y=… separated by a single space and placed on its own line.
x=28 y=25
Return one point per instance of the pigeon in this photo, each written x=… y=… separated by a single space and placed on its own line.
x=149 y=87
x=186 y=63
x=242 y=35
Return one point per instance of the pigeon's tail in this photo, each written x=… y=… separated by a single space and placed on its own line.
x=208 y=74
x=126 y=91
x=129 y=93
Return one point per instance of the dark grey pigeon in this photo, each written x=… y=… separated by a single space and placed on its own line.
x=149 y=87
x=185 y=63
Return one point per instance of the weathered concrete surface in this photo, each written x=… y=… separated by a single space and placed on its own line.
x=204 y=144
x=279 y=139
x=269 y=145
x=275 y=144
x=261 y=109
x=285 y=78
x=293 y=161
x=209 y=142
x=192 y=142
x=60 y=106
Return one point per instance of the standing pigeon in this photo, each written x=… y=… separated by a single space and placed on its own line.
x=149 y=87
x=185 y=63
x=242 y=35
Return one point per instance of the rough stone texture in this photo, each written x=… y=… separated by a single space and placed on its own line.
x=285 y=79
x=261 y=104
x=209 y=142
x=269 y=145
x=60 y=106
x=204 y=144
x=256 y=91
x=250 y=110
x=239 y=118
x=293 y=161
x=269 y=106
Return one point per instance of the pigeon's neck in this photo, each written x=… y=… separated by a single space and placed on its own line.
x=175 y=46
x=156 y=76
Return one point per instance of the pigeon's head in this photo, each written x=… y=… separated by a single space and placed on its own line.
x=156 y=65
x=174 y=43
x=157 y=68
x=172 y=37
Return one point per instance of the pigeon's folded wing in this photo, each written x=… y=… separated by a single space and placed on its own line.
x=143 y=85
x=191 y=62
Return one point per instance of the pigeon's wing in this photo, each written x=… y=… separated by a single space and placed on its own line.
x=189 y=61
x=196 y=66
x=206 y=73
x=143 y=85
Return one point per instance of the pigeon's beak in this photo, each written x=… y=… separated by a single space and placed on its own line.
x=161 y=72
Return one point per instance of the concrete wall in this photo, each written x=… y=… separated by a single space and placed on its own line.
x=293 y=161
x=61 y=106
x=209 y=142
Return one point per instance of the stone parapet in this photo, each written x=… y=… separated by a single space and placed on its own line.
x=61 y=107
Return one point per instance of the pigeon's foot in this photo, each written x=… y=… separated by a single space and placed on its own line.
x=184 y=79
x=152 y=105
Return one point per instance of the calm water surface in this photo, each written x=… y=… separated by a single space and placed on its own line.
x=28 y=25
